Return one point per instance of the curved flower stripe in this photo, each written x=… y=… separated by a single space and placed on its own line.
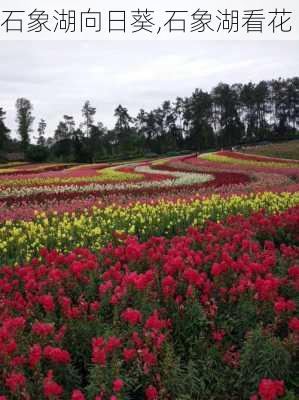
x=182 y=178
x=218 y=157
x=37 y=181
x=111 y=174
x=253 y=157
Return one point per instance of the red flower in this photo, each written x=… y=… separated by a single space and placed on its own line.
x=77 y=395
x=294 y=271
x=112 y=344
x=267 y=288
x=154 y=322
x=11 y=346
x=35 y=355
x=151 y=393
x=15 y=381
x=51 y=388
x=129 y=354
x=217 y=269
x=98 y=356
x=218 y=335
x=42 y=328
x=94 y=306
x=148 y=357
x=193 y=277
x=168 y=286
x=294 y=324
x=47 y=302
x=270 y=389
x=131 y=316
x=283 y=305
x=18 y=361
x=57 y=355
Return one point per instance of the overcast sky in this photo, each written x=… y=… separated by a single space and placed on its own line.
x=59 y=76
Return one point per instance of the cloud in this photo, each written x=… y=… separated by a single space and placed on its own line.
x=177 y=68
x=59 y=76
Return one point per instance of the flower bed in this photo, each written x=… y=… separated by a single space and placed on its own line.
x=212 y=314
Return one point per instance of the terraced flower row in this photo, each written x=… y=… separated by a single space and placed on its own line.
x=174 y=175
x=16 y=207
x=211 y=314
x=21 y=240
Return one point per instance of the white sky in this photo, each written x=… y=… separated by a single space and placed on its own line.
x=58 y=76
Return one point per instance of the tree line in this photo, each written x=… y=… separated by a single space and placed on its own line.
x=226 y=116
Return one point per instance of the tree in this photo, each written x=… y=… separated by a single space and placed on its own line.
x=281 y=106
x=145 y=125
x=200 y=134
x=64 y=138
x=225 y=116
x=70 y=124
x=226 y=99
x=88 y=113
x=123 y=129
x=41 y=141
x=181 y=123
x=24 y=120
x=293 y=101
x=61 y=132
x=249 y=110
x=4 y=131
x=96 y=140
x=65 y=128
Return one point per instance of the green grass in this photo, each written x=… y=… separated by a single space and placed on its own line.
x=288 y=150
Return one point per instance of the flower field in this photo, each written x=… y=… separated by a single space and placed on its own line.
x=169 y=279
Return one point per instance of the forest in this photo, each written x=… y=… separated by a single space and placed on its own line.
x=227 y=116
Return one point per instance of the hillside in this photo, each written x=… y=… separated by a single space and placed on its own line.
x=288 y=149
